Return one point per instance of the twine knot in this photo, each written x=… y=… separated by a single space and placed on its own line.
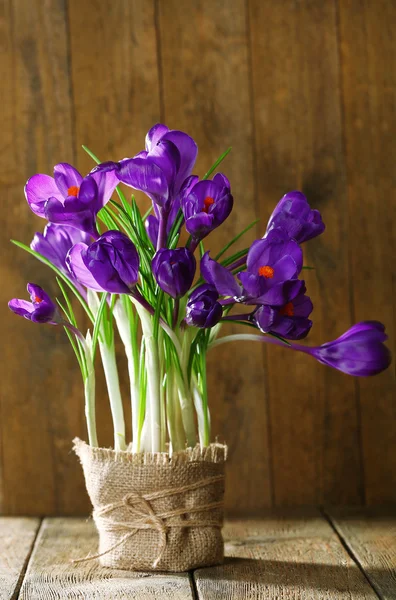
x=143 y=516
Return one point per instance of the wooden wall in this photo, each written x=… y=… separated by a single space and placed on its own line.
x=304 y=91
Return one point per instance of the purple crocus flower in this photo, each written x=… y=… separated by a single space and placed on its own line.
x=174 y=270
x=41 y=309
x=55 y=242
x=207 y=205
x=273 y=265
x=360 y=351
x=294 y=215
x=70 y=199
x=203 y=308
x=110 y=264
x=162 y=168
x=289 y=321
x=152 y=221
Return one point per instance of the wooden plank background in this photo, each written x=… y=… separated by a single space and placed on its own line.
x=304 y=91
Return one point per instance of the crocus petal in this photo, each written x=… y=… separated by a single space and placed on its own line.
x=360 y=351
x=221 y=180
x=174 y=270
x=203 y=308
x=167 y=157
x=151 y=224
x=146 y=176
x=220 y=277
x=88 y=190
x=253 y=285
x=188 y=151
x=200 y=224
x=106 y=182
x=41 y=309
x=154 y=135
x=22 y=308
x=269 y=250
x=281 y=293
x=37 y=191
x=294 y=215
x=66 y=177
x=126 y=257
x=76 y=265
x=73 y=213
x=285 y=268
x=55 y=242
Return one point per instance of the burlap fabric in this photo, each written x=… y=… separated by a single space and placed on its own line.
x=153 y=511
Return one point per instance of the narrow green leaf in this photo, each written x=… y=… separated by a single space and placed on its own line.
x=278 y=337
x=309 y=268
x=97 y=324
x=69 y=306
x=91 y=154
x=216 y=164
x=49 y=264
x=236 y=238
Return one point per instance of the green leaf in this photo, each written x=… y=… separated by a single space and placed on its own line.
x=76 y=350
x=177 y=223
x=309 y=268
x=236 y=238
x=231 y=259
x=97 y=324
x=278 y=337
x=157 y=314
x=146 y=214
x=91 y=154
x=71 y=315
x=216 y=164
x=49 y=264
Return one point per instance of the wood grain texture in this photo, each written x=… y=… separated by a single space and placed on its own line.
x=40 y=408
x=283 y=557
x=370 y=535
x=114 y=81
x=368 y=58
x=298 y=128
x=17 y=536
x=207 y=95
x=52 y=575
x=305 y=94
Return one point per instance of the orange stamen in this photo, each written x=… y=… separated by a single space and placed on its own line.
x=37 y=299
x=287 y=310
x=266 y=271
x=207 y=202
x=73 y=191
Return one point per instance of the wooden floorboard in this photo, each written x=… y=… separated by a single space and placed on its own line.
x=298 y=557
x=289 y=555
x=17 y=536
x=52 y=575
x=370 y=535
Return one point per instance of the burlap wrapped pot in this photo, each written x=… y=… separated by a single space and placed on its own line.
x=153 y=511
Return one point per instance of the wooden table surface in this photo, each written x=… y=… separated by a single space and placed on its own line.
x=327 y=554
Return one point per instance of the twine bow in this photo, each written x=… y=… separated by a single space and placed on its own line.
x=143 y=516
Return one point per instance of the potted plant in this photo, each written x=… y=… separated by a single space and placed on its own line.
x=158 y=498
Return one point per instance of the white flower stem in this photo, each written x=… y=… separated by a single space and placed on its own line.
x=153 y=377
x=175 y=425
x=125 y=322
x=113 y=387
x=89 y=392
x=109 y=362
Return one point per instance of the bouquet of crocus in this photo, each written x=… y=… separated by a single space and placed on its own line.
x=171 y=301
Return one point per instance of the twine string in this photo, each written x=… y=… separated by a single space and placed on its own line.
x=143 y=516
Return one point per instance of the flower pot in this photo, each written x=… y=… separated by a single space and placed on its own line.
x=156 y=511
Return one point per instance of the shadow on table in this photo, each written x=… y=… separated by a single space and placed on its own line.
x=278 y=574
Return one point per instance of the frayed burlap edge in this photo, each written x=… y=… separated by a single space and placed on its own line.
x=154 y=511
x=215 y=453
